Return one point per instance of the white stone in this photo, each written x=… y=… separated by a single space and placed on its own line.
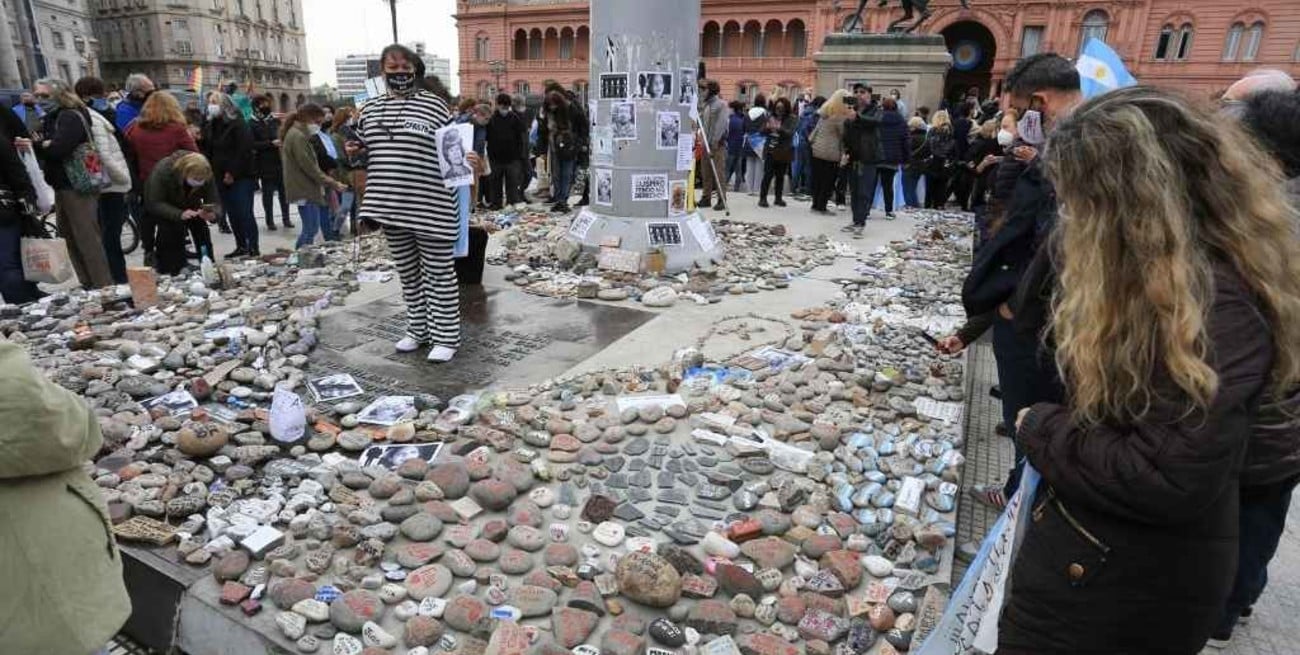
x=877 y=566
x=346 y=644
x=313 y=609
x=292 y=624
x=262 y=540
x=908 y=499
x=373 y=635
x=467 y=587
x=543 y=497
x=418 y=650
x=392 y=593
x=659 y=297
x=643 y=544
x=608 y=533
x=433 y=607
x=720 y=546
x=405 y=610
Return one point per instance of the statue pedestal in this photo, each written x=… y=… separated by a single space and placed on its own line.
x=915 y=64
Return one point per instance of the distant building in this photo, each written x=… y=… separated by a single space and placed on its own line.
x=46 y=39
x=352 y=71
x=1200 y=46
x=254 y=43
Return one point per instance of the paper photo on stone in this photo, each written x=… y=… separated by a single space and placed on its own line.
x=604 y=186
x=677 y=199
x=668 y=130
x=653 y=85
x=175 y=403
x=664 y=234
x=646 y=188
x=392 y=456
x=388 y=410
x=454 y=144
x=613 y=86
x=687 y=90
x=334 y=387
x=622 y=121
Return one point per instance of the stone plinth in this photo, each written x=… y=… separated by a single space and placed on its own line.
x=915 y=64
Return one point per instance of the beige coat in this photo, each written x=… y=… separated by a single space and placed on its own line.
x=60 y=570
x=828 y=139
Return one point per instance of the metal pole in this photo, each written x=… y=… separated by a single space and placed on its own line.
x=392 y=6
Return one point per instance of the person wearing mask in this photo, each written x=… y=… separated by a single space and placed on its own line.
x=61 y=562
x=756 y=119
x=827 y=140
x=157 y=131
x=228 y=142
x=939 y=157
x=962 y=177
x=507 y=138
x=519 y=104
x=15 y=191
x=1178 y=307
x=1011 y=274
x=30 y=114
x=338 y=133
x=566 y=128
x=266 y=160
x=138 y=88
x=736 y=145
x=893 y=146
x=801 y=167
x=180 y=197
x=914 y=169
x=67 y=126
x=715 y=128
x=112 y=152
x=406 y=195
x=354 y=164
x=1270 y=112
x=306 y=182
x=982 y=157
x=862 y=152
x=329 y=159
x=778 y=151
x=898 y=100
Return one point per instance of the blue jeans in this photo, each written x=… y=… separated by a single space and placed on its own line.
x=237 y=200
x=736 y=167
x=801 y=170
x=564 y=171
x=910 y=180
x=13 y=284
x=112 y=216
x=1261 y=521
x=315 y=218
x=864 y=191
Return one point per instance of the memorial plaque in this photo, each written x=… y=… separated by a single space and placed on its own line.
x=143 y=528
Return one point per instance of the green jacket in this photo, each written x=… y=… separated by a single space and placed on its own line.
x=166 y=195
x=303 y=178
x=60 y=568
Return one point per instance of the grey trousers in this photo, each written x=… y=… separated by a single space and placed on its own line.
x=78 y=221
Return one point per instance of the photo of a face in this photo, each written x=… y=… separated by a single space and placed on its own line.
x=654 y=85
x=687 y=97
x=622 y=121
x=669 y=130
x=393 y=456
x=604 y=187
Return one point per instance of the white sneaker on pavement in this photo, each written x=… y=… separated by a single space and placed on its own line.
x=441 y=354
x=407 y=345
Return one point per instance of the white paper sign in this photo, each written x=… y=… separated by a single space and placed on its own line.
x=454 y=143
x=686 y=151
x=703 y=232
x=944 y=411
x=582 y=224
x=637 y=402
x=288 y=418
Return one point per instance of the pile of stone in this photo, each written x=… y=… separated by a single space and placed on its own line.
x=544 y=261
x=799 y=498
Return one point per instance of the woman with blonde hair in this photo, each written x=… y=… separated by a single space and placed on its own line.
x=827 y=141
x=181 y=196
x=158 y=131
x=938 y=155
x=1177 y=308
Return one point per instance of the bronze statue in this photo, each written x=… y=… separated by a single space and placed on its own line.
x=855 y=24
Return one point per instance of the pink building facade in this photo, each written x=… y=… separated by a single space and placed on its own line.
x=767 y=46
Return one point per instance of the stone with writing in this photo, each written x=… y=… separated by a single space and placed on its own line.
x=413 y=556
x=508 y=638
x=351 y=611
x=765 y=643
x=422 y=631
x=432 y=580
x=845 y=566
x=291 y=624
x=826 y=583
x=532 y=600
x=598 y=508
x=421 y=527
x=452 y=477
x=375 y=636
x=560 y=554
x=231 y=566
x=769 y=552
x=286 y=592
x=695 y=586
x=667 y=633
x=586 y=596
x=736 y=580
x=493 y=494
x=314 y=610
x=712 y=617
x=621 y=642
x=818 y=624
x=463 y=612
x=571 y=626
x=346 y=644
x=648 y=579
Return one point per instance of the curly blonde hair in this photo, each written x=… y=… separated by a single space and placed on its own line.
x=1152 y=191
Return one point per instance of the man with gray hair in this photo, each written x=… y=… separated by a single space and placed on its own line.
x=138 y=86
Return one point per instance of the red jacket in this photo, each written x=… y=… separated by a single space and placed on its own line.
x=151 y=145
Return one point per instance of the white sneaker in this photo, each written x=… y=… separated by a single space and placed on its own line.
x=441 y=354
x=519 y=206
x=407 y=345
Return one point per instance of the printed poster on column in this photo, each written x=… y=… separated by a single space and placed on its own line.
x=685 y=151
x=602 y=147
x=702 y=230
x=649 y=187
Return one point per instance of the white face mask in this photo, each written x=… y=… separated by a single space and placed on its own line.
x=194 y=183
x=1031 y=128
x=214 y=111
x=1005 y=138
x=313 y=129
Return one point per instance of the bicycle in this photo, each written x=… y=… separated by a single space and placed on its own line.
x=130 y=231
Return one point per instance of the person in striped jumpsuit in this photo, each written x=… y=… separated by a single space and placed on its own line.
x=405 y=194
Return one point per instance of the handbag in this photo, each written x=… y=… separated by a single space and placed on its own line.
x=84 y=167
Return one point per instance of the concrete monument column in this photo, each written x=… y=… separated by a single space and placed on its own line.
x=10 y=77
x=644 y=59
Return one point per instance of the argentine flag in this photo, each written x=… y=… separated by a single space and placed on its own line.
x=1100 y=69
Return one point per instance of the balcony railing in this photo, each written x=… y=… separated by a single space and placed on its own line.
x=531 y=64
x=747 y=64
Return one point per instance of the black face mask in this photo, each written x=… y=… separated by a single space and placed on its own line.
x=400 y=82
x=264 y=110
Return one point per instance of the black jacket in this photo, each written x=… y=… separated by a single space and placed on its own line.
x=894 y=142
x=1002 y=261
x=507 y=137
x=1132 y=547
x=916 y=151
x=862 y=136
x=266 y=155
x=780 y=137
x=228 y=143
x=65 y=131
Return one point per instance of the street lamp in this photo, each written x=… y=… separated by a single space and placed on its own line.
x=392 y=8
x=498 y=68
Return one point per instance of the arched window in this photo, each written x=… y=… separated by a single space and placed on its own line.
x=797 y=35
x=1184 y=42
x=284 y=102
x=711 y=40
x=566 y=43
x=535 y=44
x=730 y=39
x=1233 y=41
x=521 y=86
x=483 y=89
x=302 y=100
x=1162 y=45
x=751 y=42
x=551 y=44
x=771 y=41
x=481 y=47
x=582 y=43
x=1095 y=25
x=1253 y=38
x=521 y=45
